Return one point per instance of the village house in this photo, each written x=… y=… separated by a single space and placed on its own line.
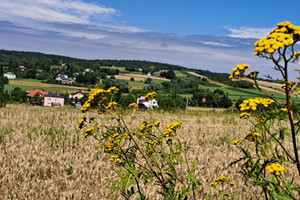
x=22 y=68
x=31 y=93
x=76 y=97
x=89 y=70
x=10 y=75
x=143 y=104
x=64 y=78
x=53 y=99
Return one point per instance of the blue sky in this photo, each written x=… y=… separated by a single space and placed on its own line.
x=213 y=35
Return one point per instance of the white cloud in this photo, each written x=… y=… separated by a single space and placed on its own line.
x=62 y=11
x=248 y=32
x=217 y=44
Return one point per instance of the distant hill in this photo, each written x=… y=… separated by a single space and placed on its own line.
x=29 y=58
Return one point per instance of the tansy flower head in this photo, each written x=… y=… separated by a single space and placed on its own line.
x=275 y=168
x=235 y=142
x=88 y=132
x=133 y=106
x=150 y=96
x=252 y=136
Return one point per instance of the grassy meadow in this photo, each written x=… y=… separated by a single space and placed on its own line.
x=43 y=154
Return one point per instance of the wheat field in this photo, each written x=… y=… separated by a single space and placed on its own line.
x=44 y=156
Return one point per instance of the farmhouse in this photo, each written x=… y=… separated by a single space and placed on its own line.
x=143 y=104
x=76 y=97
x=10 y=75
x=53 y=99
x=31 y=93
x=89 y=70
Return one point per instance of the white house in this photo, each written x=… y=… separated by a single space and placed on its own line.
x=10 y=75
x=143 y=104
x=89 y=70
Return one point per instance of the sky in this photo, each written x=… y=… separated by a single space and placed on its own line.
x=211 y=35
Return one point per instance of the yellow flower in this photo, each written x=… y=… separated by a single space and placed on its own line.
x=114 y=158
x=235 y=142
x=133 y=106
x=283 y=109
x=172 y=128
x=275 y=168
x=88 y=132
x=81 y=122
x=150 y=96
x=244 y=115
x=252 y=136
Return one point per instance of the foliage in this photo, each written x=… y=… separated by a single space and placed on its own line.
x=168 y=74
x=206 y=98
x=18 y=95
x=141 y=155
x=37 y=100
x=3 y=99
x=121 y=84
x=266 y=148
x=153 y=86
x=3 y=81
x=171 y=102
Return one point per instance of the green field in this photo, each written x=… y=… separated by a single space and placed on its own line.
x=181 y=73
x=49 y=89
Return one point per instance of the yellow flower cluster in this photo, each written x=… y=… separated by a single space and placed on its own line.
x=112 y=142
x=235 y=142
x=252 y=74
x=133 y=106
x=145 y=127
x=150 y=96
x=252 y=136
x=81 y=122
x=115 y=158
x=288 y=84
x=152 y=142
x=284 y=35
x=238 y=71
x=128 y=136
x=88 y=132
x=221 y=179
x=297 y=53
x=111 y=105
x=252 y=104
x=96 y=96
x=283 y=109
x=172 y=128
x=244 y=115
x=275 y=168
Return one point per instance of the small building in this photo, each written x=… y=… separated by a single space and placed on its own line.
x=53 y=99
x=10 y=75
x=89 y=70
x=66 y=76
x=76 y=97
x=22 y=68
x=143 y=104
x=31 y=93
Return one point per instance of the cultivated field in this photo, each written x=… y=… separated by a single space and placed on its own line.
x=44 y=156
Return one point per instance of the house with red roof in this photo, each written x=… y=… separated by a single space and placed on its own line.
x=32 y=93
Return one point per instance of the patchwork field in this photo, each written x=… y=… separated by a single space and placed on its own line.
x=31 y=84
x=43 y=154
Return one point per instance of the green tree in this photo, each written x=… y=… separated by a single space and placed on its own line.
x=3 y=81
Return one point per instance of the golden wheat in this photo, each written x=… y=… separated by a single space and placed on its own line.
x=43 y=154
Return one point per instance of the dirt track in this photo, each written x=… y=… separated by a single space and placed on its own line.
x=46 y=85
